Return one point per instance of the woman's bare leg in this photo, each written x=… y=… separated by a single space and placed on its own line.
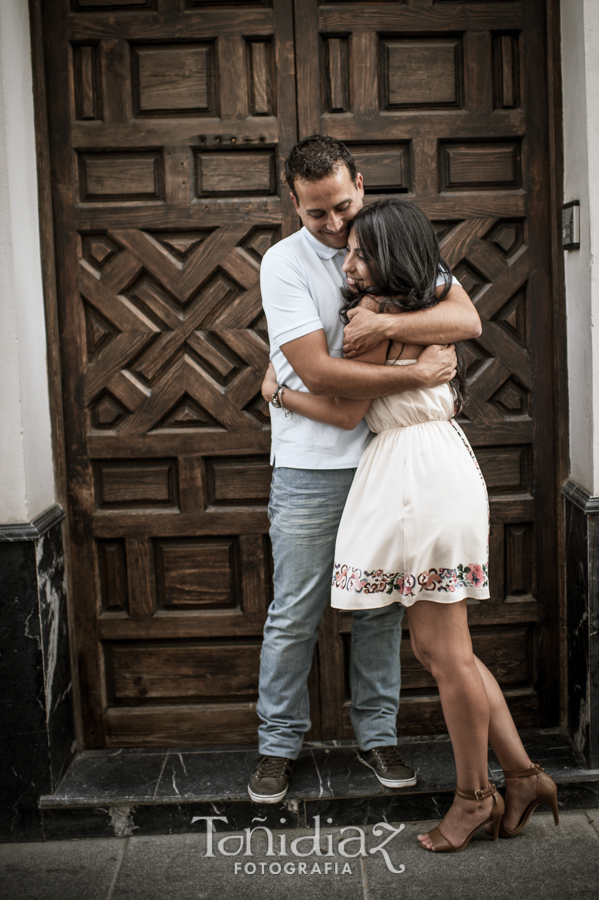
x=441 y=640
x=509 y=750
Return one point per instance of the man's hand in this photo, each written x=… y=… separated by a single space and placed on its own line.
x=436 y=365
x=362 y=333
x=270 y=384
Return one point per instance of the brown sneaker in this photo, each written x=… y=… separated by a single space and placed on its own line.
x=388 y=766
x=270 y=779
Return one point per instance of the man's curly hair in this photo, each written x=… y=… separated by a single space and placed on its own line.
x=316 y=157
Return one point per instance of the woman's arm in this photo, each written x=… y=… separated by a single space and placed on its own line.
x=337 y=411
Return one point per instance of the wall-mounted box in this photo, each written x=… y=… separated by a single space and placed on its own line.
x=571 y=225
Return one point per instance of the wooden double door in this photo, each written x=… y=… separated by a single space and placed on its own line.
x=169 y=121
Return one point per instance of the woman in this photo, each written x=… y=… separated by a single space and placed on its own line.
x=415 y=526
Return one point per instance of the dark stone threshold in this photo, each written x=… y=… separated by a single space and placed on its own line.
x=112 y=793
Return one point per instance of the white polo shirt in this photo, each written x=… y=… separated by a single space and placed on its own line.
x=301 y=281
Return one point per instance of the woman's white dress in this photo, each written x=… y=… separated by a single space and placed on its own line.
x=416 y=521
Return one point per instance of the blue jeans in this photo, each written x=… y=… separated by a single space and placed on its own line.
x=304 y=510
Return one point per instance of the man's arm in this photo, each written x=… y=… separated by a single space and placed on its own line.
x=324 y=374
x=342 y=412
x=454 y=319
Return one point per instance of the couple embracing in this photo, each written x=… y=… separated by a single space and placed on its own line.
x=377 y=524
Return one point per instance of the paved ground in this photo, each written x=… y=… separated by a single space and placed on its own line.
x=544 y=863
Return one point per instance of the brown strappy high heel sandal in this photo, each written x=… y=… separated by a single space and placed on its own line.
x=440 y=842
x=546 y=793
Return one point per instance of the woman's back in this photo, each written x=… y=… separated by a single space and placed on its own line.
x=411 y=407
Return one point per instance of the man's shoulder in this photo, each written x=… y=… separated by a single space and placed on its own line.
x=292 y=249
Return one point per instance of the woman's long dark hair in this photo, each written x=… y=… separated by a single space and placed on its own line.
x=400 y=248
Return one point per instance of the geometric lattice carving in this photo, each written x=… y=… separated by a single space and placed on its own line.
x=176 y=330
x=259 y=241
x=187 y=413
x=215 y=356
x=107 y=411
x=181 y=243
x=471 y=280
x=511 y=399
x=507 y=237
x=512 y=317
x=98 y=249
x=155 y=300
x=474 y=357
x=258 y=410
x=443 y=228
x=97 y=329
x=260 y=327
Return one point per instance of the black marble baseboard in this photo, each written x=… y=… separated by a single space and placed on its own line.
x=36 y=711
x=125 y=792
x=582 y=571
x=33 y=531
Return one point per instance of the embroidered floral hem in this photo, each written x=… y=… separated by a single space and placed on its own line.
x=352 y=580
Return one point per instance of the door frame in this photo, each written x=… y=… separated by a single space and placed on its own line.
x=559 y=343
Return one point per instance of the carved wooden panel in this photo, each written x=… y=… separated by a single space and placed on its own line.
x=169 y=124
x=235 y=173
x=235 y=481
x=335 y=74
x=155 y=673
x=420 y=73
x=112 y=558
x=104 y=5
x=386 y=168
x=87 y=77
x=506 y=58
x=479 y=166
x=197 y=573
x=443 y=102
x=261 y=78
x=174 y=79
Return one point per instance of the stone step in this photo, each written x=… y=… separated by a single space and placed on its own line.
x=108 y=793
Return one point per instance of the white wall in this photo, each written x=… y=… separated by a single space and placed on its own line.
x=580 y=72
x=26 y=471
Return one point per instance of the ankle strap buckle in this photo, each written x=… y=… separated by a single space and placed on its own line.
x=477 y=795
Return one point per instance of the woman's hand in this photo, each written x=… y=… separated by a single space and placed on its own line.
x=270 y=384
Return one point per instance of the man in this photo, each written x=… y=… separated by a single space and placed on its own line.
x=301 y=280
